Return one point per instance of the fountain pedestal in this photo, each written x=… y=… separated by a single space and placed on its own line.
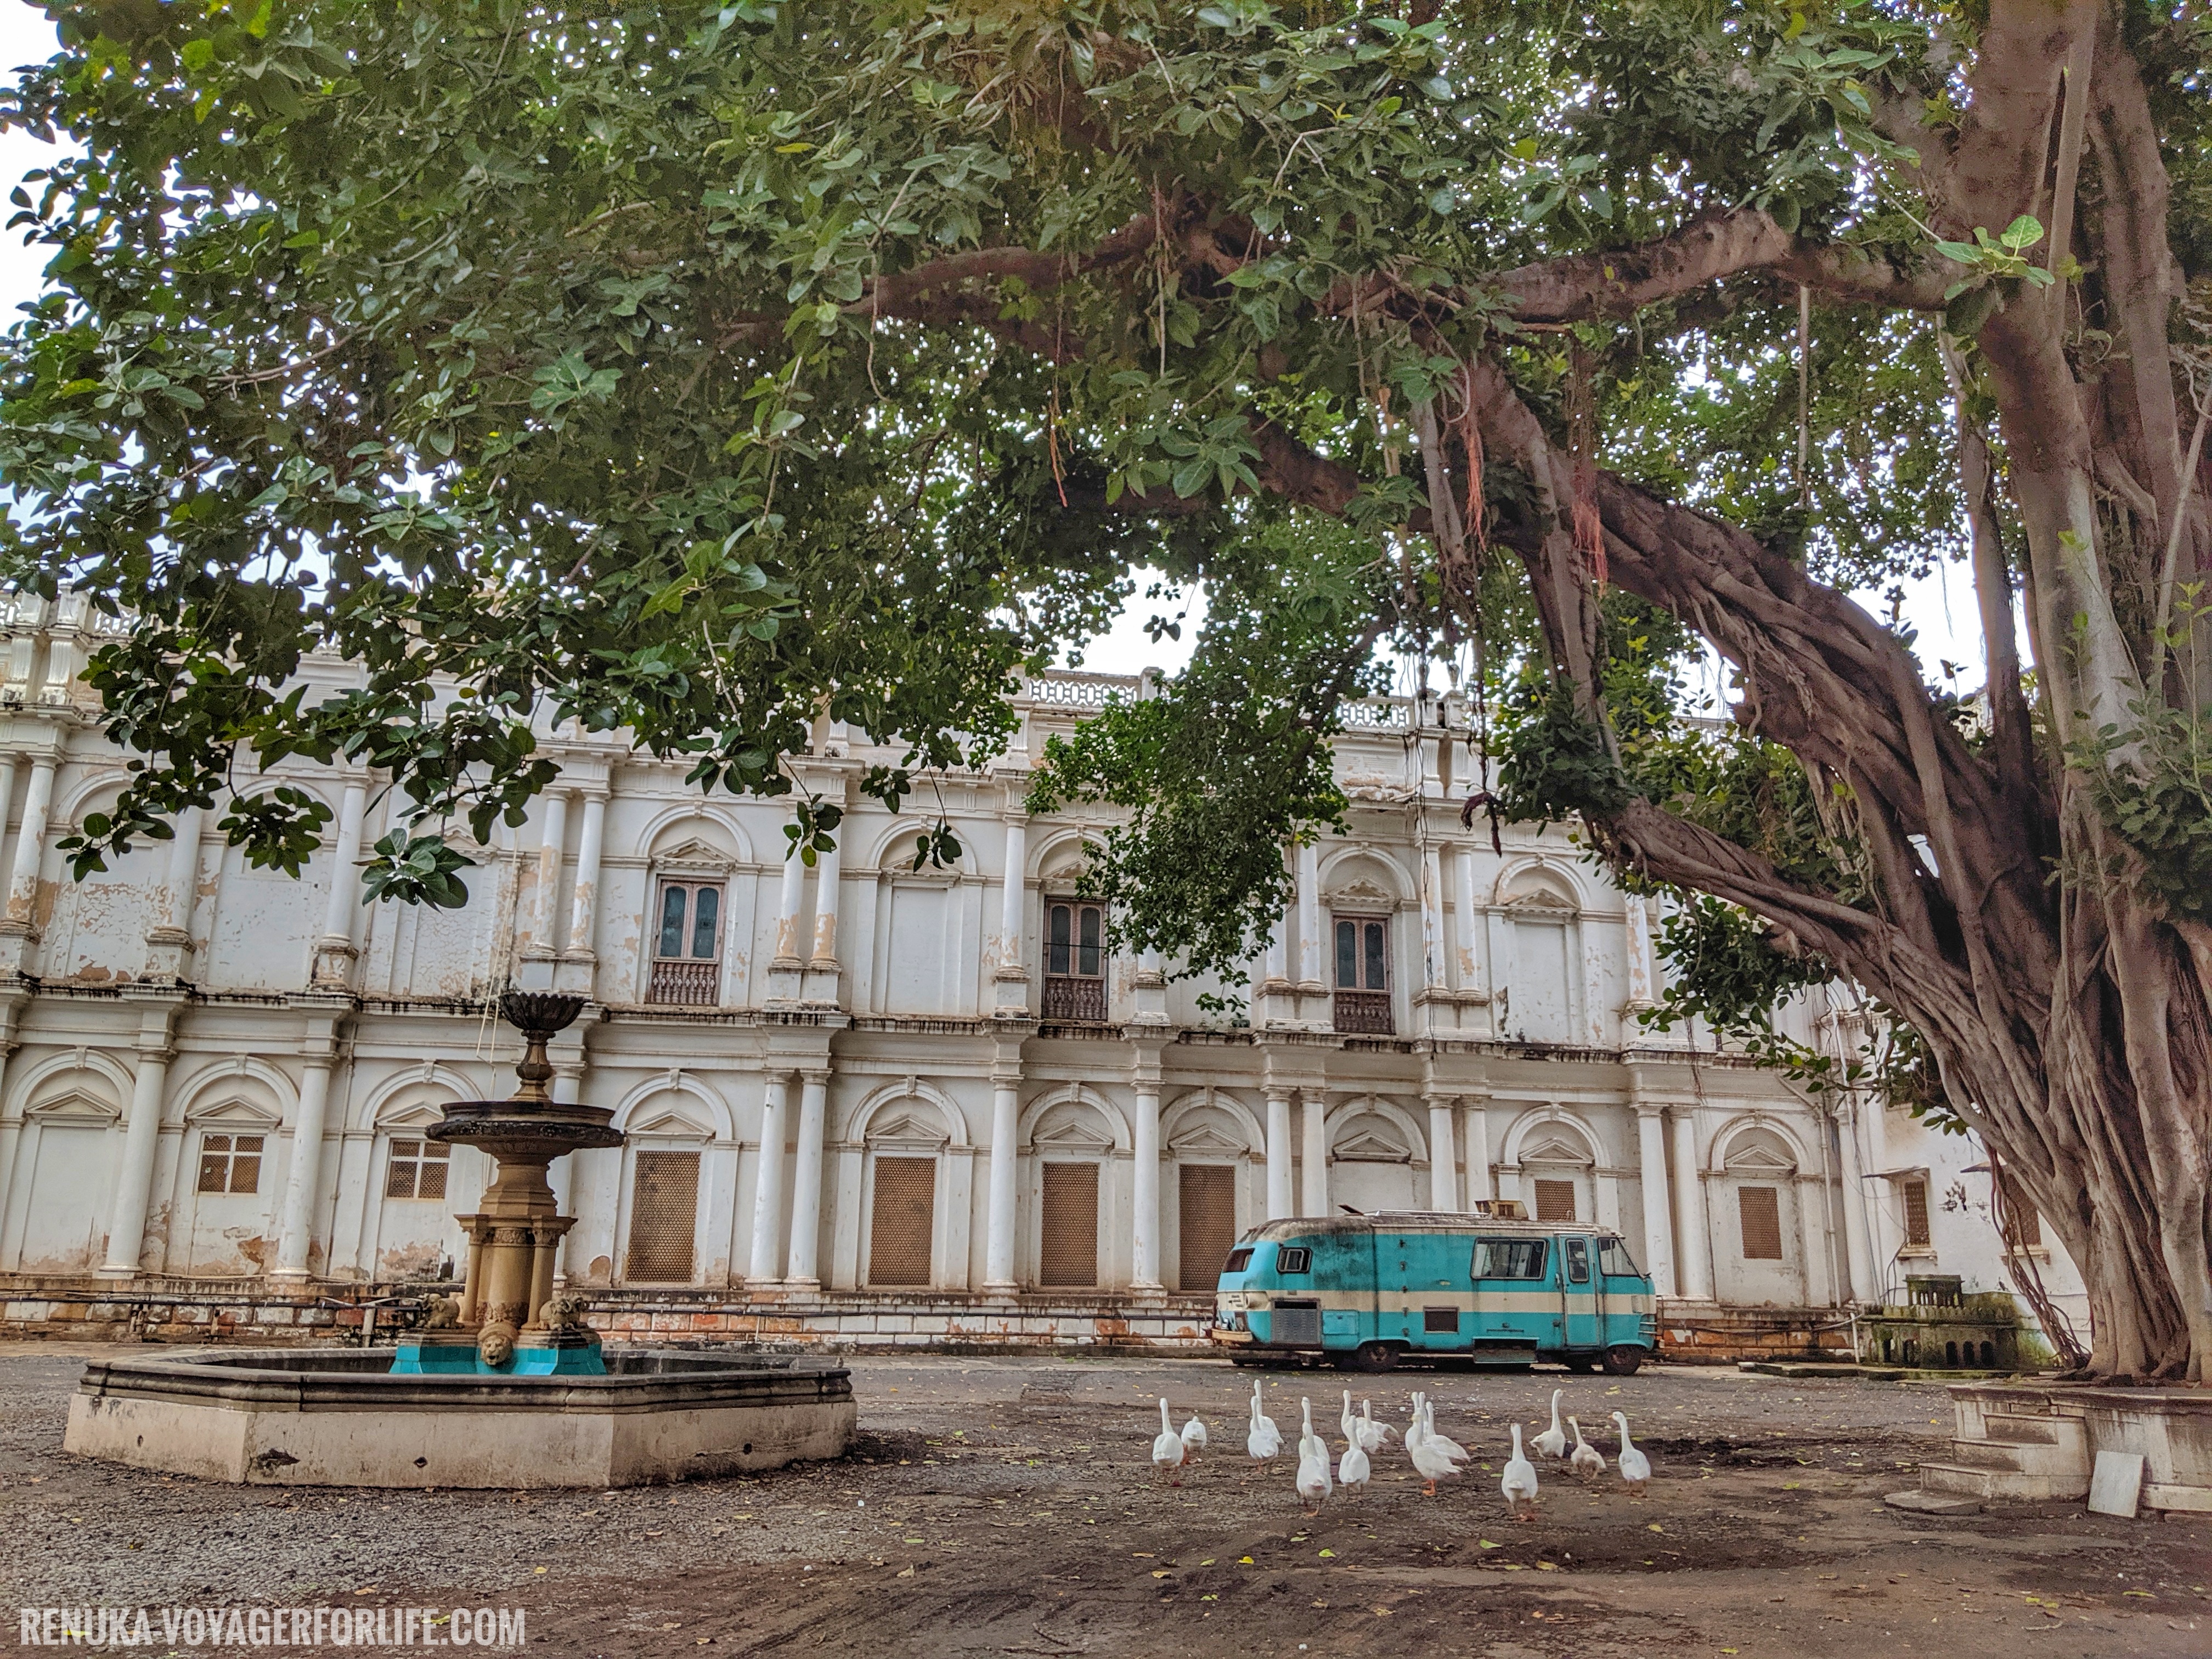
x=508 y=1322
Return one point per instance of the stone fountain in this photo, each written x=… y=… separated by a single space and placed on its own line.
x=504 y=1386
x=507 y=1320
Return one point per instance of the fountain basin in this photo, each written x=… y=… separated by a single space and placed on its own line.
x=343 y=1417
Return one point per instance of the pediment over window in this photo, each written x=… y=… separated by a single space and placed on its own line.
x=1205 y=1138
x=1553 y=1149
x=1074 y=1138
x=418 y=1116
x=1362 y=893
x=1758 y=1158
x=74 y=1107
x=694 y=855
x=243 y=1113
x=1542 y=899
x=669 y=1119
x=1369 y=1146
x=909 y=1129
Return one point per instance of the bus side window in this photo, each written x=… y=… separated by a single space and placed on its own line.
x=1577 y=1251
x=1509 y=1258
x=1615 y=1262
x=1294 y=1259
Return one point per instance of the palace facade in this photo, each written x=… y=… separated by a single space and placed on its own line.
x=867 y=1081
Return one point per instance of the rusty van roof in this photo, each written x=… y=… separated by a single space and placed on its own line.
x=1425 y=1221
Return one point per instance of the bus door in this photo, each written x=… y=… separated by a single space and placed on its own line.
x=1582 y=1312
x=1516 y=1304
x=1397 y=1292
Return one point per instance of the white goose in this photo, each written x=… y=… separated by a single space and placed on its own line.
x=1167 y=1448
x=1264 y=1439
x=1635 y=1467
x=1373 y=1436
x=1413 y=1429
x=1587 y=1459
x=1194 y=1439
x=1347 y=1421
x=1442 y=1443
x=1431 y=1461
x=1552 y=1442
x=1353 y=1468
x=1519 y=1481
x=1313 y=1463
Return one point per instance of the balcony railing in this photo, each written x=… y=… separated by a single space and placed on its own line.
x=1073 y=998
x=688 y=984
x=1365 y=1013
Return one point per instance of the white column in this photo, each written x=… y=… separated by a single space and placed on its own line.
x=30 y=846
x=1694 y=1266
x=1477 y=1143
x=1858 y=1245
x=1812 y=1222
x=1314 y=1114
x=828 y=884
x=1433 y=919
x=7 y=793
x=296 y=1229
x=1470 y=944
x=180 y=879
x=768 y=1184
x=1443 y=1158
x=1145 y=1191
x=134 y=1183
x=552 y=849
x=583 y=902
x=807 y=1182
x=1641 y=979
x=788 y=899
x=1310 y=956
x=1279 y=1155
x=998 y=1236
x=345 y=886
x=1658 y=1224
x=1011 y=892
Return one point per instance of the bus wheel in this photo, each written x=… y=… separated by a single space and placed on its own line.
x=1623 y=1362
x=1374 y=1357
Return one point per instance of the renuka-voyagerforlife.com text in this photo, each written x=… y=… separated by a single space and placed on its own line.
x=272 y=1627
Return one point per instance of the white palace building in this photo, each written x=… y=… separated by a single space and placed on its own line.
x=871 y=1098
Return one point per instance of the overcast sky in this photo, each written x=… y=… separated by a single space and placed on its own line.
x=1941 y=607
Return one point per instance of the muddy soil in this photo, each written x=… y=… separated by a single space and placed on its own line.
x=1009 y=1506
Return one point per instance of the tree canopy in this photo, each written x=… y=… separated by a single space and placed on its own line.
x=699 y=369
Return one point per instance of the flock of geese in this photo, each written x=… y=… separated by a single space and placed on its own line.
x=1436 y=1456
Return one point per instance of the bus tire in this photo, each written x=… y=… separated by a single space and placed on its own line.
x=1374 y=1357
x=1623 y=1361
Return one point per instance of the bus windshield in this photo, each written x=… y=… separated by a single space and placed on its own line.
x=1509 y=1258
x=1615 y=1262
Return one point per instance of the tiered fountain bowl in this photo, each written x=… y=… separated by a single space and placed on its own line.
x=506 y=1385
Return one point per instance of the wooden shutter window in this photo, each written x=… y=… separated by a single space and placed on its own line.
x=1758 y=1210
x=1915 y=1194
x=664 y=1218
x=1069 y=1252
x=417 y=1169
x=230 y=1164
x=1206 y=1204
x=1555 y=1200
x=901 y=1218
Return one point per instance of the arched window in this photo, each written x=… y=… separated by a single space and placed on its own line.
x=1075 y=961
x=687 y=949
x=1363 y=975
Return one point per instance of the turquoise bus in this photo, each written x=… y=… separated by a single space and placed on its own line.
x=1368 y=1292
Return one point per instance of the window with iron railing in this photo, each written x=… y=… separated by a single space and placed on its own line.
x=230 y=1164
x=687 y=955
x=1075 y=963
x=1363 y=975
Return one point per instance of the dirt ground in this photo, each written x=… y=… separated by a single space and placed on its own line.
x=1008 y=1506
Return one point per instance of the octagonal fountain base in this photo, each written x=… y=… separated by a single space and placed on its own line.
x=326 y=1418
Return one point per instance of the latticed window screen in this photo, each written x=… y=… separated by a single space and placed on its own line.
x=230 y=1164
x=1207 y=1211
x=1758 y=1210
x=1915 y=1195
x=1068 y=1253
x=417 y=1169
x=2024 y=1224
x=664 y=1218
x=1555 y=1200
x=901 y=1220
